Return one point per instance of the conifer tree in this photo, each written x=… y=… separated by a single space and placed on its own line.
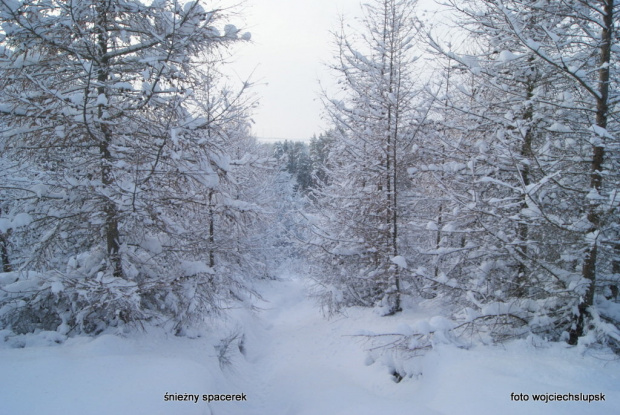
x=536 y=122
x=372 y=122
x=117 y=110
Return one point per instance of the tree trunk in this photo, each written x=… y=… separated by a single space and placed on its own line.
x=391 y=152
x=211 y=231
x=524 y=170
x=596 y=177
x=4 y=252
x=4 y=249
x=107 y=178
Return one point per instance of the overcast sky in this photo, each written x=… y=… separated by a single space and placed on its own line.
x=290 y=46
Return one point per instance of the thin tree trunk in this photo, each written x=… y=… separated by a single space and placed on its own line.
x=391 y=152
x=523 y=228
x=107 y=178
x=4 y=249
x=211 y=231
x=6 y=263
x=596 y=177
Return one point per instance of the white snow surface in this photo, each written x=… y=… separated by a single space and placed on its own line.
x=294 y=361
x=400 y=261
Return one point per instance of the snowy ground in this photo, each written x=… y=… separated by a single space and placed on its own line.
x=295 y=362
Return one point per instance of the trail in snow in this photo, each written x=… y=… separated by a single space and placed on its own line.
x=301 y=363
x=292 y=361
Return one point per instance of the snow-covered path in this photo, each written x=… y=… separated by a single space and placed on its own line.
x=298 y=363
x=295 y=362
x=301 y=363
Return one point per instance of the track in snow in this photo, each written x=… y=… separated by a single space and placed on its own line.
x=298 y=362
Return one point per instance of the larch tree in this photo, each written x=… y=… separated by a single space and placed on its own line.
x=359 y=211
x=536 y=123
x=113 y=160
x=515 y=178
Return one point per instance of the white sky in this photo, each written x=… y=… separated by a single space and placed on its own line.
x=290 y=46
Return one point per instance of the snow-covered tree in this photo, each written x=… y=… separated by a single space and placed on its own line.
x=295 y=155
x=115 y=108
x=318 y=151
x=533 y=129
x=358 y=214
